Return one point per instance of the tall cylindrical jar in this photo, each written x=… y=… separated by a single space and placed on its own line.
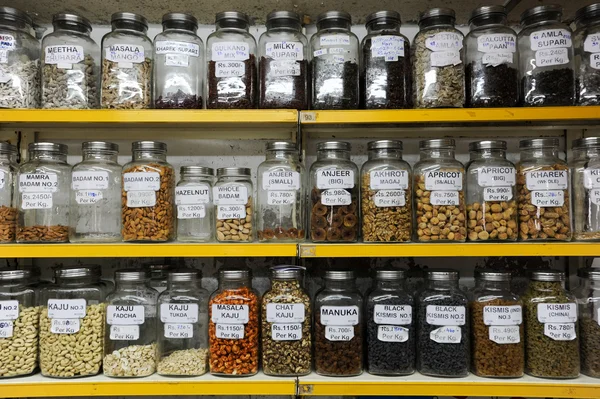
x=233 y=330
x=551 y=327
x=8 y=199
x=546 y=65
x=178 y=76
x=231 y=55
x=183 y=327
x=130 y=336
x=233 y=196
x=443 y=339
x=96 y=194
x=334 y=52
x=195 y=210
x=585 y=183
x=72 y=324
x=386 y=194
x=281 y=194
x=338 y=326
x=283 y=63
x=588 y=303
x=491 y=59
x=543 y=188
x=286 y=324
x=70 y=65
x=491 y=193
x=147 y=197
x=497 y=327
x=19 y=61
x=43 y=198
x=439 y=193
x=127 y=63
x=385 y=63
x=391 y=331
x=19 y=323
x=587 y=54
x=437 y=56
x=334 y=194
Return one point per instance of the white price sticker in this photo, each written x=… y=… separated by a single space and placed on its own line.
x=6 y=329
x=339 y=315
x=594 y=195
x=192 y=194
x=444 y=41
x=547 y=180
x=5 y=77
x=66 y=308
x=9 y=310
x=388 y=47
x=560 y=331
x=495 y=59
x=591 y=178
x=595 y=61
x=545 y=199
x=446 y=335
x=335 y=178
x=438 y=315
x=230 y=314
x=557 y=312
x=286 y=332
x=393 y=314
x=492 y=176
x=65 y=326
x=281 y=197
x=335 y=40
x=230 y=194
x=285 y=50
x=504 y=334
x=141 y=181
x=502 y=315
x=336 y=197
x=177 y=60
x=36 y=200
x=339 y=333
x=229 y=331
x=281 y=180
x=444 y=198
x=284 y=68
x=125 y=314
x=550 y=38
x=38 y=183
x=555 y=56
x=89 y=180
x=88 y=197
x=228 y=69
x=179 y=312
x=591 y=44
x=141 y=199
x=388 y=179
x=230 y=51
x=191 y=212
x=497 y=43
x=445 y=58
x=389 y=198
x=179 y=330
x=497 y=193
x=285 y=313
x=125 y=55
x=231 y=212
x=124 y=333
x=443 y=180
x=392 y=334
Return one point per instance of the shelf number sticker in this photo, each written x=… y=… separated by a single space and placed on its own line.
x=229 y=331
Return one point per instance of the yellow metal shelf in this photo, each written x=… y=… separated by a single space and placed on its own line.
x=419 y=385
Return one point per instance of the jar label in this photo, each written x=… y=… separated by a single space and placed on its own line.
x=497 y=193
x=286 y=332
x=595 y=61
x=141 y=181
x=335 y=178
x=546 y=199
x=339 y=333
x=320 y=52
x=438 y=315
x=6 y=329
x=281 y=197
x=285 y=312
x=495 y=59
x=443 y=180
x=446 y=335
x=179 y=312
x=444 y=198
x=502 y=315
x=176 y=47
x=2 y=179
x=444 y=42
x=89 y=180
x=125 y=314
x=550 y=38
x=88 y=197
x=445 y=58
x=177 y=60
x=556 y=56
x=66 y=308
x=7 y=42
x=557 y=312
x=65 y=326
x=191 y=211
x=124 y=333
x=228 y=69
x=339 y=315
x=594 y=196
x=125 y=55
x=231 y=212
x=284 y=68
x=397 y=315
x=591 y=178
x=285 y=50
x=38 y=183
x=392 y=334
x=495 y=176
x=141 y=199
x=591 y=44
x=388 y=179
x=63 y=56
x=560 y=331
x=229 y=331
x=179 y=330
x=9 y=310
x=387 y=46
x=36 y=200
x=497 y=43
x=230 y=314
x=5 y=76
x=192 y=194
x=388 y=198
x=547 y=180
x=230 y=194
x=335 y=40
x=281 y=180
x=230 y=51
x=504 y=334
x=336 y=197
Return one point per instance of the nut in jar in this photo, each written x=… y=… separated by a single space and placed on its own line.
x=234 y=205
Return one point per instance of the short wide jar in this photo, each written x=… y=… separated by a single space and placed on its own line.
x=233 y=196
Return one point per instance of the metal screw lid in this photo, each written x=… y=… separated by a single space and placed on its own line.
x=591 y=273
x=538 y=143
x=389 y=274
x=73 y=18
x=281 y=146
x=339 y=274
x=385 y=145
x=51 y=147
x=334 y=15
x=14 y=14
x=391 y=16
x=132 y=275
x=197 y=171
x=232 y=15
x=148 y=145
x=180 y=17
x=158 y=271
x=334 y=145
x=287 y=272
x=75 y=272
x=486 y=11
x=541 y=10
x=492 y=275
x=548 y=275
x=184 y=275
x=487 y=145
x=99 y=146
x=14 y=274
x=586 y=142
x=437 y=12
x=283 y=15
x=7 y=148
x=129 y=16
x=589 y=11
x=442 y=274
x=437 y=144
x=233 y=171
x=235 y=274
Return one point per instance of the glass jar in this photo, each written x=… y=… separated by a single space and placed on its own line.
x=543 y=192
x=281 y=194
x=585 y=175
x=588 y=303
x=546 y=58
x=386 y=68
x=19 y=61
x=96 y=194
x=551 y=327
x=19 y=323
x=183 y=328
x=148 y=194
x=334 y=52
x=283 y=65
x=437 y=55
x=439 y=190
x=231 y=54
x=234 y=204
x=130 y=335
x=496 y=327
x=334 y=194
x=195 y=210
x=158 y=276
x=72 y=323
x=286 y=324
x=390 y=326
x=491 y=193
x=443 y=347
x=71 y=65
x=43 y=200
x=127 y=63
x=386 y=194
x=233 y=327
x=587 y=54
x=178 y=64
x=492 y=61
x=8 y=183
